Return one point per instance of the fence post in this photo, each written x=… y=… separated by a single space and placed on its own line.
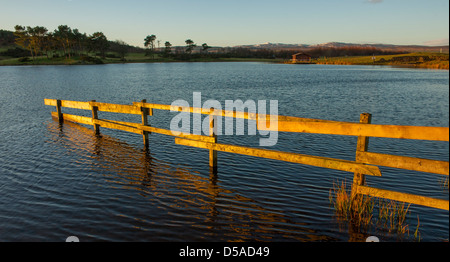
x=144 y=114
x=362 y=145
x=58 y=111
x=213 y=133
x=95 y=116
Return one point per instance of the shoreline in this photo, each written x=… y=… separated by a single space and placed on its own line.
x=415 y=66
x=230 y=61
x=413 y=60
x=70 y=62
x=410 y=60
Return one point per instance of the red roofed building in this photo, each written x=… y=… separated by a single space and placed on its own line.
x=301 y=57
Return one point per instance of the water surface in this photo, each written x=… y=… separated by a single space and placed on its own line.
x=62 y=180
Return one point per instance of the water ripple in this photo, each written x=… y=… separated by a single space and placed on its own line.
x=62 y=180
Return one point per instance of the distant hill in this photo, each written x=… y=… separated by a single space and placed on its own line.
x=6 y=38
x=384 y=47
x=390 y=47
x=275 y=46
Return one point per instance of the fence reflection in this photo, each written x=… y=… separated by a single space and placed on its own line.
x=213 y=208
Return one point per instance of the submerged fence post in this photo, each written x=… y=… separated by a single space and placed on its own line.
x=95 y=116
x=144 y=114
x=58 y=111
x=362 y=145
x=213 y=133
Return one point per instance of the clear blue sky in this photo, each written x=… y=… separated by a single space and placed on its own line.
x=236 y=22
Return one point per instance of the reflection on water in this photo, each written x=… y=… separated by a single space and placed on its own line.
x=188 y=197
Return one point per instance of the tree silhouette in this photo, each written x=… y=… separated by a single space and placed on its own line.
x=121 y=48
x=190 y=46
x=31 y=38
x=205 y=47
x=23 y=38
x=168 y=48
x=149 y=42
x=99 y=43
x=63 y=35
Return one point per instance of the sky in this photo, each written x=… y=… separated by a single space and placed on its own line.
x=241 y=22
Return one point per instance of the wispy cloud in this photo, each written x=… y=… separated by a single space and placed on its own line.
x=374 y=1
x=437 y=42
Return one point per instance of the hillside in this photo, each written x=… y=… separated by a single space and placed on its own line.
x=6 y=38
x=383 y=47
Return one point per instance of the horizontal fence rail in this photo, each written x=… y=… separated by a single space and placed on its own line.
x=336 y=164
x=360 y=129
x=228 y=113
x=404 y=162
x=366 y=163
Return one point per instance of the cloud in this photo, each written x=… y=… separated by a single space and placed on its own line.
x=374 y=1
x=437 y=42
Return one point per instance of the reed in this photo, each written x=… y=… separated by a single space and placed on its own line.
x=444 y=183
x=392 y=216
x=417 y=233
x=359 y=210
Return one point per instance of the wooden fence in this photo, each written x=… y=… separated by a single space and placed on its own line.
x=366 y=163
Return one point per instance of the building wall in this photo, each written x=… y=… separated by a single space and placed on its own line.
x=301 y=58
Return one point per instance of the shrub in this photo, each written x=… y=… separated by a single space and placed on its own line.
x=24 y=59
x=16 y=52
x=91 y=60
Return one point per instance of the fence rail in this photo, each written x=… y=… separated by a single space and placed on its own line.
x=366 y=163
x=361 y=129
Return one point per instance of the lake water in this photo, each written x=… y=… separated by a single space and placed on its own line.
x=59 y=181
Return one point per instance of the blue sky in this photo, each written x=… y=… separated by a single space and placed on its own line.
x=236 y=22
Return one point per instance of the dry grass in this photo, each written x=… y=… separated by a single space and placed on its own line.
x=392 y=216
x=438 y=60
x=359 y=210
x=444 y=183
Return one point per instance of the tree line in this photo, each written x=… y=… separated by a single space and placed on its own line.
x=39 y=40
x=186 y=53
x=350 y=51
x=317 y=52
x=149 y=43
x=64 y=40
x=68 y=42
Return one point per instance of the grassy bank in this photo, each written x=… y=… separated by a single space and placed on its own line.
x=419 y=60
x=77 y=60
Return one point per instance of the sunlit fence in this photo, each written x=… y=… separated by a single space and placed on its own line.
x=365 y=163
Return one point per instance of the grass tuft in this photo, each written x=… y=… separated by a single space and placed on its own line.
x=359 y=210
